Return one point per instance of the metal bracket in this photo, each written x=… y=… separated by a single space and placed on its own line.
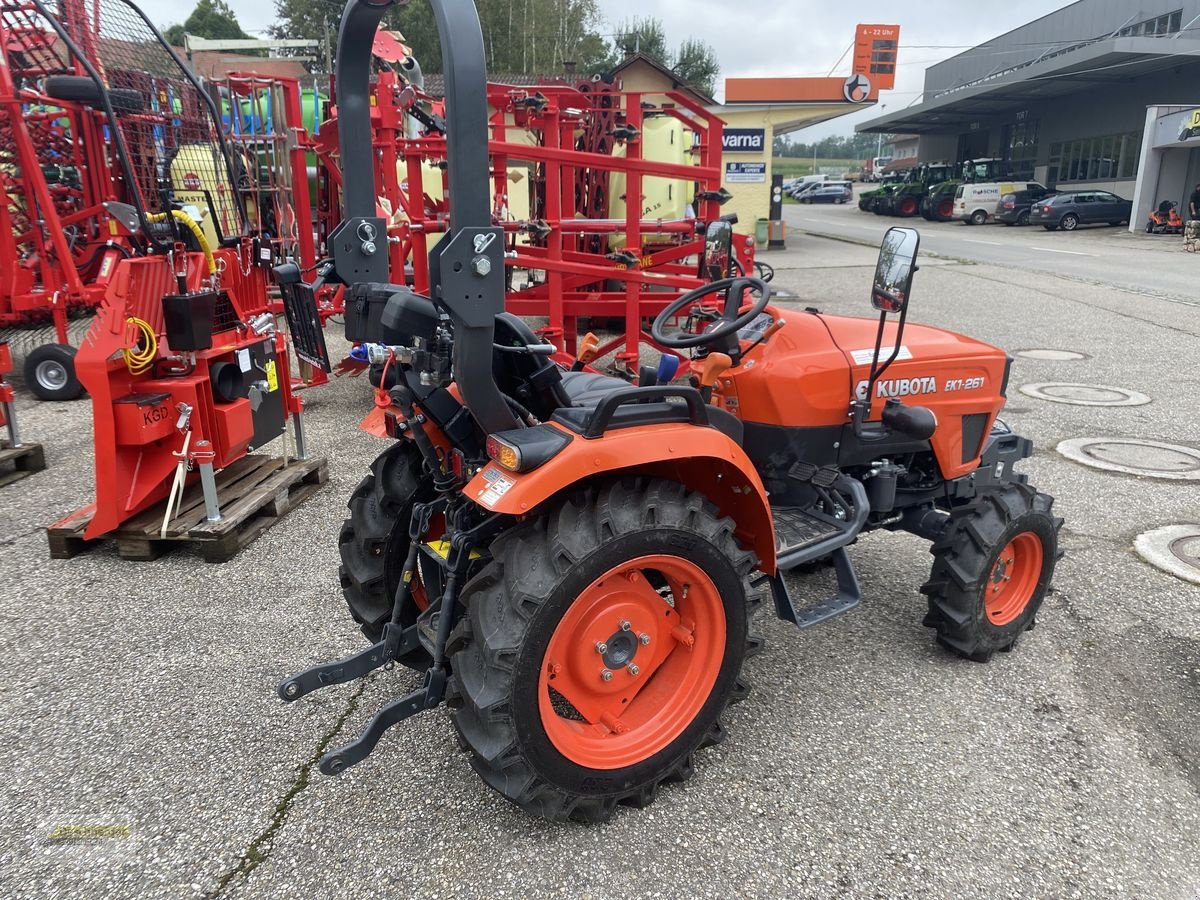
x=347 y=669
x=429 y=695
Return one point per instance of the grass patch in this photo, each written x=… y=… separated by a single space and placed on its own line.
x=795 y=167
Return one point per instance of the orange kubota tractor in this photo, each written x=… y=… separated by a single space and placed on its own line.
x=567 y=556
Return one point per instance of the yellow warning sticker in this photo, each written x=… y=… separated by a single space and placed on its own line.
x=272 y=376
x=442 y=549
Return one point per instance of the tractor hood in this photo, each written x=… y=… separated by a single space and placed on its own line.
x=933 y=365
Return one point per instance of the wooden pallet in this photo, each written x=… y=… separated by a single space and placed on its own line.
x=17 y=462
x=254 y=493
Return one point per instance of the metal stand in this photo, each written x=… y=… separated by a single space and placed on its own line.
x=208 y=481
x=298 y=427
x=14 y=436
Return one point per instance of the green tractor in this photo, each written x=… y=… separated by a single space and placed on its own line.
x=907 y=198
x=938 y=203
x=870 y=201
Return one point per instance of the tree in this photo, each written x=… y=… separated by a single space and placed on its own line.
x=645 y=36
x=696 y=63
x=211 y=19
x=526 y=36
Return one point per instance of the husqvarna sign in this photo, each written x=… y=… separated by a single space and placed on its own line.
x=743 y=140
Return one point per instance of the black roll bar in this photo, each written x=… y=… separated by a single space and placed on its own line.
x=467 y=267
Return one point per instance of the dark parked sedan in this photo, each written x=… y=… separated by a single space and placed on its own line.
x=1070 y=210
x=836 y=193
x=1015 y=208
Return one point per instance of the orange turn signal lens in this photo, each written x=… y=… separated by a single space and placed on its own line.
x=503 y=454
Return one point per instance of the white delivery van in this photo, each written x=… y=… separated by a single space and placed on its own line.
x=975 y=204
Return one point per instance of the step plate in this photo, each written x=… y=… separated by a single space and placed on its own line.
x=815 y=615
x=796 y=529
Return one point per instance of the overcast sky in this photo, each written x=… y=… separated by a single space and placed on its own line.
x=761 y=38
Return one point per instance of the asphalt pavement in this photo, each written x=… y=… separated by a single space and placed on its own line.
x=1156 y=265
x=866 y=762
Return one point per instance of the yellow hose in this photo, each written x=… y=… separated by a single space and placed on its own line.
x=138 y=361
x=189 y=223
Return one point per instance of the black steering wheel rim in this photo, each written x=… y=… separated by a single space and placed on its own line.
x=730 y=322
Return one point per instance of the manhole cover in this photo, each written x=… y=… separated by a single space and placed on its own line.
x=1053 y=355
x=1084 y=394
x=1174 y=549
x=1152 y=459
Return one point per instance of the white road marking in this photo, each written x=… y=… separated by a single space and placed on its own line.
x=992 y=243
x=1071 y=252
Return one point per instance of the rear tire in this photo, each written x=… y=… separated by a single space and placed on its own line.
x=540 y=612
x=1069 y=222
x=373 y=542
x=49 y=372
x=979 y=217
x=1023 y=218
x=991 y=569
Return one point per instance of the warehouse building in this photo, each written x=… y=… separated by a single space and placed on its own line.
x=1094 y=95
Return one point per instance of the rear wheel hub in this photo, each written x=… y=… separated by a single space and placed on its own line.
x=632 y=662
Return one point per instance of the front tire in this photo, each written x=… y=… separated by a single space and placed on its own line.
x=641 y=580
x=992 y=567
x=50 y=373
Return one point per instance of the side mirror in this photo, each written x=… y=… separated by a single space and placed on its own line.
x=717 y=262
x=894 y=272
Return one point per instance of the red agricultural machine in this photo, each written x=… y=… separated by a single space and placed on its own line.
x=567 y=556
x=185 y=366
x=564 y=161
x=56 y=175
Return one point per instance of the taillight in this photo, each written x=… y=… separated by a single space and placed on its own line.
x=524 y=449
x=1008 y=204
x=503 y=453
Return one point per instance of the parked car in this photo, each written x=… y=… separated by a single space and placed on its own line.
x=975 y=204
x=834 y=192
x=1074 y=208
x=1014 y=208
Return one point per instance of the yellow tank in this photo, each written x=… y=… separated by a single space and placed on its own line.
x=664 y=139
x=198 y=168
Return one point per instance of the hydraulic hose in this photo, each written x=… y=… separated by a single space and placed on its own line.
x=191 y=225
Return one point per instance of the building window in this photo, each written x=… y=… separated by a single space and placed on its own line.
x=1169 y=23
x=1105 y=158
x=1019 y=145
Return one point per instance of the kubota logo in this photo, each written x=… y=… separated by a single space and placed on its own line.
x=191 y=181
x=898 y=387
x=857 y=88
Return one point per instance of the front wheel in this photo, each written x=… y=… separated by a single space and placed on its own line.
x=599 y=649
x=991 y=569
x=50 y=373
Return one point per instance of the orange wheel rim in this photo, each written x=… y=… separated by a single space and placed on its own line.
x=1013 y=578
x=661 y=660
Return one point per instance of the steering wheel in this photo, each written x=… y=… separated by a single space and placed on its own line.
x=730 y=322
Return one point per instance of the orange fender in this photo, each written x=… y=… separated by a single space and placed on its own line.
x=702 y=459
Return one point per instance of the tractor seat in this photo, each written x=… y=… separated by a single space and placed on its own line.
x=586 y=389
